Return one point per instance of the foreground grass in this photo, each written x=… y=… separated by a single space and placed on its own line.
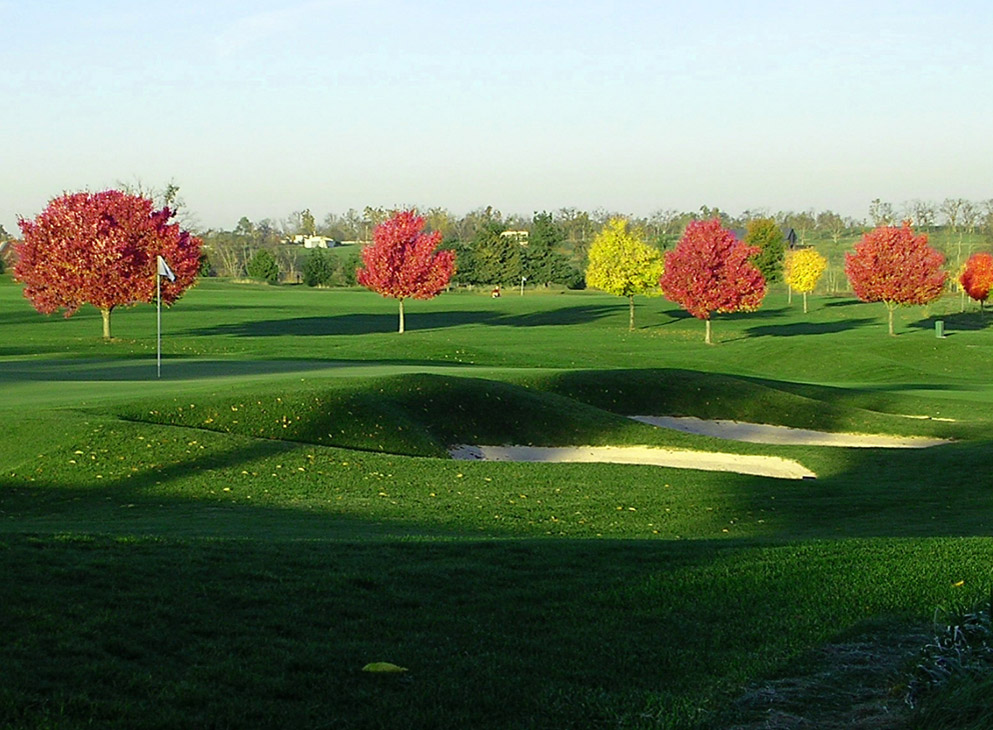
x=163 y=633
x=229 y=546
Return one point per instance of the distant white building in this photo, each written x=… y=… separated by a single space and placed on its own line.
x=520 y=237
x=314 y=241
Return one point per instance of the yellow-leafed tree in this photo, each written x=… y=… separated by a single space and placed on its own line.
x=621 y=263
x=803 y=270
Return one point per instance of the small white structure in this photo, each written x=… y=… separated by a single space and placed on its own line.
x=521 y=237
x=314 y=241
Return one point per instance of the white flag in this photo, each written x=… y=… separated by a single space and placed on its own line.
x=164 y=269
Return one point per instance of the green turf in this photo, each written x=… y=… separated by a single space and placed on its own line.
x=228 y=545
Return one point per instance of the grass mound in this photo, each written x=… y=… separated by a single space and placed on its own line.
x=676 y=392
x=411 y=414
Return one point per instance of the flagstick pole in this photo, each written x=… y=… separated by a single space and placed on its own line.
x=158 y=317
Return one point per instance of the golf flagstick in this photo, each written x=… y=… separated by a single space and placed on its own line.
x=162 y=269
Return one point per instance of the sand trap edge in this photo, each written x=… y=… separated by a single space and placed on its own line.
x=766 y=466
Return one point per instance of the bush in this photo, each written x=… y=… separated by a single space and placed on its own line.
x=263 y=266
x=958 y=659
x=573 y=279
x=318 y=268
x=323 y=268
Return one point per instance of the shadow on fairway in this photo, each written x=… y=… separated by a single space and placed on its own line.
x=807 y=328
x=764 y=313
x=172 y=369
x=359 y=324
x=844 y=303
x=959 y=322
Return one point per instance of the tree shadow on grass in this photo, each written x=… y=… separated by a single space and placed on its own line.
x=59 y=370
x=763 y=313
x=807 y=328
x=357 y=324
x=958 y=322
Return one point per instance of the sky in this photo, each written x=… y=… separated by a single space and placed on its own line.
x=259 y=108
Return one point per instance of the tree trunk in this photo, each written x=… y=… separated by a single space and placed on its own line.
x=631 y=313
x=789 y=296
x=706 y=337
x=401 y=316
x=891 y=307
x=106 y=322
x=805 y=302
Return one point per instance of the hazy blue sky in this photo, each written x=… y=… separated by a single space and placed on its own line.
x=260 y=108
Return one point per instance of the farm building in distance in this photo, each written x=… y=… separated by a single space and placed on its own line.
x=314 y=241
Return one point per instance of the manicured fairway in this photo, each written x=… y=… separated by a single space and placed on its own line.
x=229 y=545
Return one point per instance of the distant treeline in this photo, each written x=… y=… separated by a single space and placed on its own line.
x=551 y=247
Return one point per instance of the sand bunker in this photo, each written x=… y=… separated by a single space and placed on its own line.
x=768 y=466
x=760 y=433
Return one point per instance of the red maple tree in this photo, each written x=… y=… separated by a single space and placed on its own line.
x=100 y=249
x=894 y=266
x=977 y=277
x=709 y=271
x=403 y=262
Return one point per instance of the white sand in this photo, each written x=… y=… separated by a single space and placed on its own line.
x=760 y=433
x=769 y=466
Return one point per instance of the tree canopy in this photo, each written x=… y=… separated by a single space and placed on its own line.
x=765 y=235
x=100 y=249
x=621 y=263
x=977 y=277
x=711 y=271
x=403 y=260
x=263 y=266
x=894 y=266
x=802 y=270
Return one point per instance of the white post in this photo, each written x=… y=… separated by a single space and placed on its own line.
x=158 y=318
x=523 y=279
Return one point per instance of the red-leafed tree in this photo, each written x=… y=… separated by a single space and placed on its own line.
x=709 y=271
x=894 y=266
x=977 y=277
x=403 y=261
x=100 y=249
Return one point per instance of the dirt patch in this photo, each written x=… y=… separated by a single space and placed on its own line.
x=847 y=685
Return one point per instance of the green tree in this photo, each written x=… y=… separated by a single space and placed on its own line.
x=348 y=267
x=263 y=266
x=496 y=259
x=318 y=268
x=621 y=263
x=307 y=224
x=764 y=233
x=543 y=263
x=244 y=228
x=4 y=242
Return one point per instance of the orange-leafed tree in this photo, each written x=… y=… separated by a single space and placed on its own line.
x=403 y=261
x=977 y=277
x=709 y=271
x=893 y=265
x=100 y=249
